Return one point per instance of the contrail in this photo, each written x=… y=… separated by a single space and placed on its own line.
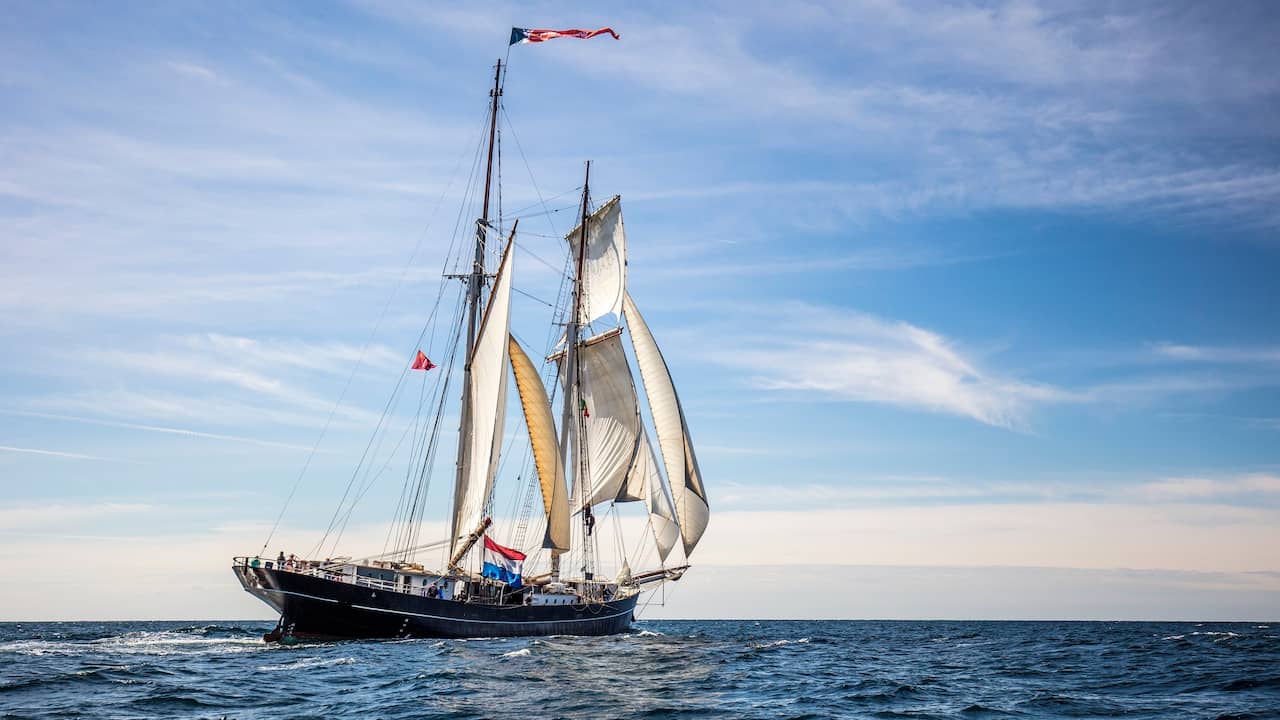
x=155 y=428
x=57 y=453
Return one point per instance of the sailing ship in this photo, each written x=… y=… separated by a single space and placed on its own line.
x=600 y=457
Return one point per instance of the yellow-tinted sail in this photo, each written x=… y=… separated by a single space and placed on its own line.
x=546 y=451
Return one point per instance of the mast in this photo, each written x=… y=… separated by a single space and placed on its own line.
x=474 y=284
x=571 y=420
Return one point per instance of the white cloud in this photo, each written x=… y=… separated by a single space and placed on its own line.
x=57 y=515
x=1201 y=489
x=193 y=70
x=926 y=592
x=846 y=355
x=1090 y=535
x=1261 y=355
x=984 y=540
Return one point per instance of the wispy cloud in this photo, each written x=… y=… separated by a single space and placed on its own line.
x=156 y=429
x=1217 y=354
x=1202 y=488
x=257 y=368
x=1250 y=489
x=1099 y=535
x=57 y=514
x=846 y=355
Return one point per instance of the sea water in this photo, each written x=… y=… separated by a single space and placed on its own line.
x=685 y=669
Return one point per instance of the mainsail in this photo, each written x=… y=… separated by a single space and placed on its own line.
x=604 y=265
x=488 y=404
x=673 y=432
x=606 y=397
x=546 y=451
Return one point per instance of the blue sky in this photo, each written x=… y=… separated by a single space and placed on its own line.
x=983 y=286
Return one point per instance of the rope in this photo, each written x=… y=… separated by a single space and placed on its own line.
x=333 y=521
x=360 y=360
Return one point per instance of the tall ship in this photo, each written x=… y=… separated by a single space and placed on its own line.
x=555 y=559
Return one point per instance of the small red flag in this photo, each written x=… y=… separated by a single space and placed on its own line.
x=422 y=362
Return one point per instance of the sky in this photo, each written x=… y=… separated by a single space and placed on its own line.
x=972 y=307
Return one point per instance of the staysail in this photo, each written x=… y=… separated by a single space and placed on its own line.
x=662 y=518
x=604 y=265
x=488 y=404
x=546 y=451
x=673 y=432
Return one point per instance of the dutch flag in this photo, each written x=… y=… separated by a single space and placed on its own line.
x=502 y=563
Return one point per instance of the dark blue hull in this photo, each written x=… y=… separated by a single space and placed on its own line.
x=313 y=607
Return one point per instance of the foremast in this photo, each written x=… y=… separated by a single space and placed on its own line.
x=475 y=284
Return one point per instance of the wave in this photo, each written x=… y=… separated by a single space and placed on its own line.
x=111 y=673
x=779 y=643
x=234 y=630
x=308 y=663
x=1252 y=684
x=169 y=642
x=1219 y=635
x=523 y=652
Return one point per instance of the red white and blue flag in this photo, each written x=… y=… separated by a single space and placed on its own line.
x=526 y=35
x=502 y=563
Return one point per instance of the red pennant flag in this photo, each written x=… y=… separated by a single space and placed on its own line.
x=422 y=362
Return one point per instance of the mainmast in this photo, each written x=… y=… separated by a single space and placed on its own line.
x=475 y=282
x=571 y=424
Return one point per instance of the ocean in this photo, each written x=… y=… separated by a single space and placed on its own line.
x=676 y=669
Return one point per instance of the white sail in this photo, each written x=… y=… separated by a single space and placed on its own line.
x=546 y=451
x=604 y=266
x=611 y=416
x=673 y=432
x=488 y=400
x=662 y=518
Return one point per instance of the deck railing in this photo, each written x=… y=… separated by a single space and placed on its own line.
x=327 y=573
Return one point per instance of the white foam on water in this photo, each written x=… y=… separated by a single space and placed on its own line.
x=307 y=663
x=780 y=643
x=1220 y=636
x=517 y=653
x=168 y=643
x=38 y=647
x=648 y=633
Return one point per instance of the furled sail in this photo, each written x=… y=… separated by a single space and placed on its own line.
x=546 y=451
x=488 y=403
x=687 y=492
x=604 y=265
x=610 y=415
